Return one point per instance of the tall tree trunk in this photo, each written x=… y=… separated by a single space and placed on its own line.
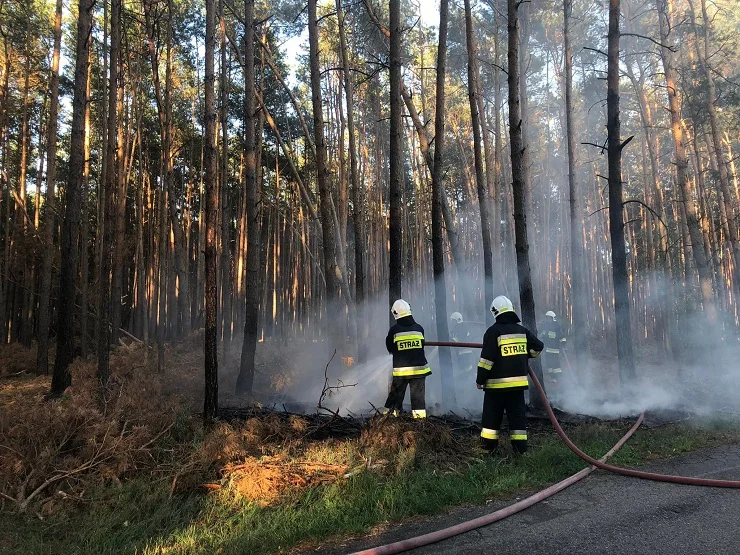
x=358 y=212
x=396 y=155
x=224 y=177
x=481 y=183
x=665 y=8
x=85 y=225
x=210 y=402
x=4 y=187
x=327 y=215
x=253 y=295
x=616 y=219
x=112 y=171
x=61 y=378
x=22 y=229
x=576 y=222
x=519 y=184
x=440 y=289
x=42 y=359
x=119 y=206
x=730 y=216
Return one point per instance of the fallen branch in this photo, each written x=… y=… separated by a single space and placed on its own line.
x=329 y=389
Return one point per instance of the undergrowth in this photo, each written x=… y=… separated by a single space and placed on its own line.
x=134 y=472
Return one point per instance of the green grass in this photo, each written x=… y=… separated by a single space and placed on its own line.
x=138 y=517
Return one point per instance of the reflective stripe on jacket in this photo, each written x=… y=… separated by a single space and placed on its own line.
x=405 y=341
x=507 y=348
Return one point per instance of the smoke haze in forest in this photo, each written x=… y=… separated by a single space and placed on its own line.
x=684 y=383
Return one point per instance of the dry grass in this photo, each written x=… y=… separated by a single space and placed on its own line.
x=15 y=359
x=53 y=451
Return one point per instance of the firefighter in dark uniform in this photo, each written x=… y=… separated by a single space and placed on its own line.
x=460 y=333
x=502 y=374
x=405 y=341
x=552 y=335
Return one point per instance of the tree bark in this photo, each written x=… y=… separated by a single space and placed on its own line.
x=576 y=222
x=665 y=8
x=395 y=231
x=440 y=289
x=331 y=270
x=42 y=359
x=519 y=185
x=358 y=213
x=226 y=318
x=112 y=171
x=616 y=219
x=61 y=378
x=118 y=220
x=210 y=403
x=481 y=183
x=253 y=295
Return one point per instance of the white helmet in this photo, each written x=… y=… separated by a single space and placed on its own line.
x=550 y=313
x=501 y=304
x=400 y=309
x=457 y=317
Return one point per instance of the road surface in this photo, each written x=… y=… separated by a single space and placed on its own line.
x=603 y=514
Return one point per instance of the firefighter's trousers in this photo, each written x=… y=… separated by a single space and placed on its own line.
x=398 y=392
x=495 y=403
x=553 y=374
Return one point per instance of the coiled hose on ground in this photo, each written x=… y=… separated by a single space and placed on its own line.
x=432 y=537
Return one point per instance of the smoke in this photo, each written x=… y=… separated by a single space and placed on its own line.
x=683 y=362
x=696 y=370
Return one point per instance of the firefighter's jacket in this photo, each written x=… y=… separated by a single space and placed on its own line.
x=507 y=348
x=461 y=334
x=405 y=341
x=552 y=336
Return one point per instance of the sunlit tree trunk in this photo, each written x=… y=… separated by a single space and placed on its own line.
x=729 y=212
x=665 y=8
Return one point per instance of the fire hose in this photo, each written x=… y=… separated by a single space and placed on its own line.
x=432 y=537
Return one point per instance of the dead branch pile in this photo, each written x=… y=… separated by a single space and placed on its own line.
x=317 y=426
x=408 y=442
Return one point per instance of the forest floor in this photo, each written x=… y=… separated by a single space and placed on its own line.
x=134 y=471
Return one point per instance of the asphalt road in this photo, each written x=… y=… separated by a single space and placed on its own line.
x=603 y=514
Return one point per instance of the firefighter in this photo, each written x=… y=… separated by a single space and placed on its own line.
x=405 y=341
x=502 y=374
x=554 y=340
x=460 y=333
